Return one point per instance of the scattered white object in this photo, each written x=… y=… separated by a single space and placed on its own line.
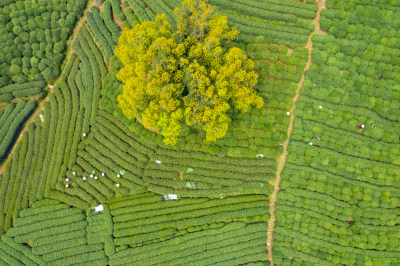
x=50 y=86
x=171 y=197
x=310 y=143
x=362 y=126
x=67 y=186
x=320 y=107
x=74 y=173
x=67 y=179
x=95 y=178
x=84 y=178
x=98 y=208
x=41 y=117
x=103 y=174
x=268 y=244
x=91 y=176
x=157 y=161
x=117 y=185
x=118 y=175
x=84 y=135
x=288 y=113
x=260 y=155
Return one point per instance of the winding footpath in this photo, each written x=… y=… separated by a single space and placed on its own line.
x=282 y=158
x=41 y=103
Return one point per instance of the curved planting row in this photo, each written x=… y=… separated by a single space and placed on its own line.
x=101 y=32
x=42 y=158
x=33 y=38
x=97 y=160
x=13 y=117
x=85 y=153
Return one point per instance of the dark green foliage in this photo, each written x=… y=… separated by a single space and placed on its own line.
x=25 y=25
x=11 y=123
x=116 y=9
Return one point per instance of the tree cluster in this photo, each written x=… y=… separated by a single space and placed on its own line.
x=185 y=77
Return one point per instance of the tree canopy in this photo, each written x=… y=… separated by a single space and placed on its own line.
x=185 y=76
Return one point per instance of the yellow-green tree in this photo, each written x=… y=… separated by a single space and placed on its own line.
x=181 y=76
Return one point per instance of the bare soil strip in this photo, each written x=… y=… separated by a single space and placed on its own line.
x=40 y=107
x=282 y=158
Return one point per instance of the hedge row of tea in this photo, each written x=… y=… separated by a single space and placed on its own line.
x=11 y=119
x=134 y=229
x=274 y=21
x=40 y=161
x=340 y=197
x=148 y=230
x=53 y=233
x=85 y=153
x=49 y=150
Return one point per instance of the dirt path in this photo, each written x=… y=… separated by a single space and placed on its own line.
x=282 y=158
x=41 y=103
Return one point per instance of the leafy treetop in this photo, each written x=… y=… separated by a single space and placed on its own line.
x=184 y=76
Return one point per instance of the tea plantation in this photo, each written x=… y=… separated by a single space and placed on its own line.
x=311 y=178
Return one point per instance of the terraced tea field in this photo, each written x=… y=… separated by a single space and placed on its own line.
x=311 y=178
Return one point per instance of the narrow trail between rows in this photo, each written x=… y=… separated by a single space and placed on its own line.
x=41 y=103
x=282 y=158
